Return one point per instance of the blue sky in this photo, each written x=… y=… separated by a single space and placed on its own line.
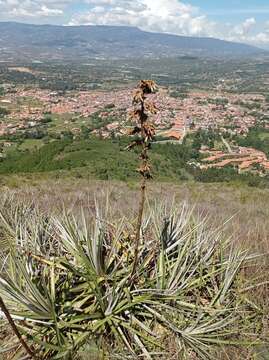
x=236 y=20
x=234 y=11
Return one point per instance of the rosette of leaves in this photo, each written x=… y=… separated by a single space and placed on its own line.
x=79 y=300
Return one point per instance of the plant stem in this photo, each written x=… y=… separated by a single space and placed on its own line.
x=139 y=223
x=147 y=133
x=15 y=329
x=142 y=189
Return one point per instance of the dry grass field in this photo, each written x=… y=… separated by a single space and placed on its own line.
x=247 y=208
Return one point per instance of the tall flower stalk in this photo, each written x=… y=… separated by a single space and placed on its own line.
x=145 y=131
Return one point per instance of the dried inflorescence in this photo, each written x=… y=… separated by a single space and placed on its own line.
x=145 y=131
x=143 y=128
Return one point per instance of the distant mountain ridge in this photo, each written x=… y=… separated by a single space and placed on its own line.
x=52 y=42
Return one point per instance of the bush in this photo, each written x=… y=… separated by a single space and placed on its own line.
x=46 y=119
x=68 y=285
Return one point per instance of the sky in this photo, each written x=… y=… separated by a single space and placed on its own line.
x=235 y=20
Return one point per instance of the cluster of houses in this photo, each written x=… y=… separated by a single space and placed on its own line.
x=243 y=158
x=175 y=116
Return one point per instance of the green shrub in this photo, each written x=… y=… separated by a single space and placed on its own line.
x=68 y=286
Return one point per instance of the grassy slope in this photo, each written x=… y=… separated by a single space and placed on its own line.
x=103 y=159
x=248 y=206
x=108 y=160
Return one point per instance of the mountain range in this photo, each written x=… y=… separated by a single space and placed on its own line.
x=28 y=42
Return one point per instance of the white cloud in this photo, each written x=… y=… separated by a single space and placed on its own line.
x=261 y=38
x=244 y=28
x=43 y=11
x=246 y=32
x=171 y=16
x=21 y=10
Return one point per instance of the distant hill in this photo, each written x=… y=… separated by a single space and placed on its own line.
x=49 y=42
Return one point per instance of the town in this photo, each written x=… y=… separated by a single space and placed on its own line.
x=178 y=114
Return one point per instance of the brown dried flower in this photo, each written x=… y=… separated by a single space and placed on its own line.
x=148 y=86
x=150 y=107
x=149 y=131
x=145 y=170
x=138 y=114
x=138 y=96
